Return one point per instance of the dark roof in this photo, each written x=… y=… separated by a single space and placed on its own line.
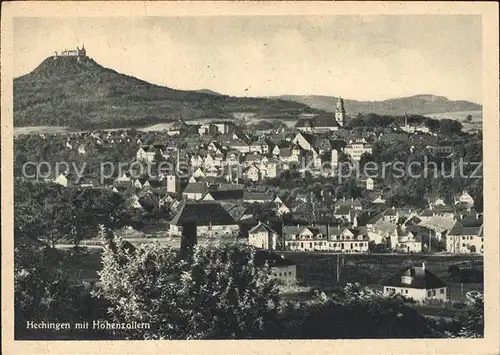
x=225 y=194
x=203 y=213
x=304 y=122
x=273 y=259
x=195 y=187
x=420 y=278
x=459 y=229
x=325 y=121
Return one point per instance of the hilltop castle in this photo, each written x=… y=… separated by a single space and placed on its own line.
x=73 y=53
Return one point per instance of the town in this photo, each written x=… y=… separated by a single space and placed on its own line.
x=250 y=185
x=332 y=205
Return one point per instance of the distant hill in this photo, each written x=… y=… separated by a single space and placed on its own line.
x=208 y=91
x=418 y=105
x=65 y=91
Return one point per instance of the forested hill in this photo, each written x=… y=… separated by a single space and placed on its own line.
x=417 y=104
x=65 y=91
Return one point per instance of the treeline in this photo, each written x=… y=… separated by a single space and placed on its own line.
x=50 y=212
x=372 y=120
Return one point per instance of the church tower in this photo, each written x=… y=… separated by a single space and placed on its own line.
x=340 y=112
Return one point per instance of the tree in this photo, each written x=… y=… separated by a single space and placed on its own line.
x=473 y=318
x=382 y=317
x=448 y=126
x=41 y=291
x=220 y=294
x=468 y=119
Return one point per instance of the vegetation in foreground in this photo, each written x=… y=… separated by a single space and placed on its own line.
x=217 y=293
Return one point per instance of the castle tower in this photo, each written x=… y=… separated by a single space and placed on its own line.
x=340 y=112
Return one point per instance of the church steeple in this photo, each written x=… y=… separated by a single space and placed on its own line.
x=340 y=112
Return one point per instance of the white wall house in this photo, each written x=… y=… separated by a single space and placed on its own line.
x=417 y=283
x=262 y=236
x=465 y=240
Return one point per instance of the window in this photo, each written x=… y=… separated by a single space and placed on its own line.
x=406 y=291
x=428 y=293
x=434 y=292
x=441 y=291
x=279 y=274
x=289 y=273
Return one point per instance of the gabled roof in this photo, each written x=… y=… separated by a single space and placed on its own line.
x=261 y=227
x=203 y=213
x=304 y=122
x=325 y=121
x=226 y=194
x=421 y=278
x=459 y=229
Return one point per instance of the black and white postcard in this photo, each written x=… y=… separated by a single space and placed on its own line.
x=255 y=177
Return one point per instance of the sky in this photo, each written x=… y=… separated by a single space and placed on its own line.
x=356 y=57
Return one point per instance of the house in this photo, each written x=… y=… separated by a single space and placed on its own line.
x=464 y=199
x=207 y=129
x=224 y=127
x=304 y=125
x=345 y=212
x=61 y=179
x=465 y=239
x=282 y=268
x=210 y=217
x=81 y=149
x=252 y=173
x=146 y=154
x=305 y=238
x=262 y=236
x=88 y=182
x=305 y=140
x=257 y=197
x=324 y=238
x=223 y=194
x=406 y=241
x=348 y=240
x=194 y=190
x=177 y=128
x=239 y=145
x=422 y=127
x=418 y=283
x=391 y=215
x=325 y=123
x=133 y=202
x=357 y=148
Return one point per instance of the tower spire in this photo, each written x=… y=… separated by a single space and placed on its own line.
x=340 y=112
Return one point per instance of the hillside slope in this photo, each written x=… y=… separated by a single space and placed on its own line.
x=418 y=104
x=64 y=91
